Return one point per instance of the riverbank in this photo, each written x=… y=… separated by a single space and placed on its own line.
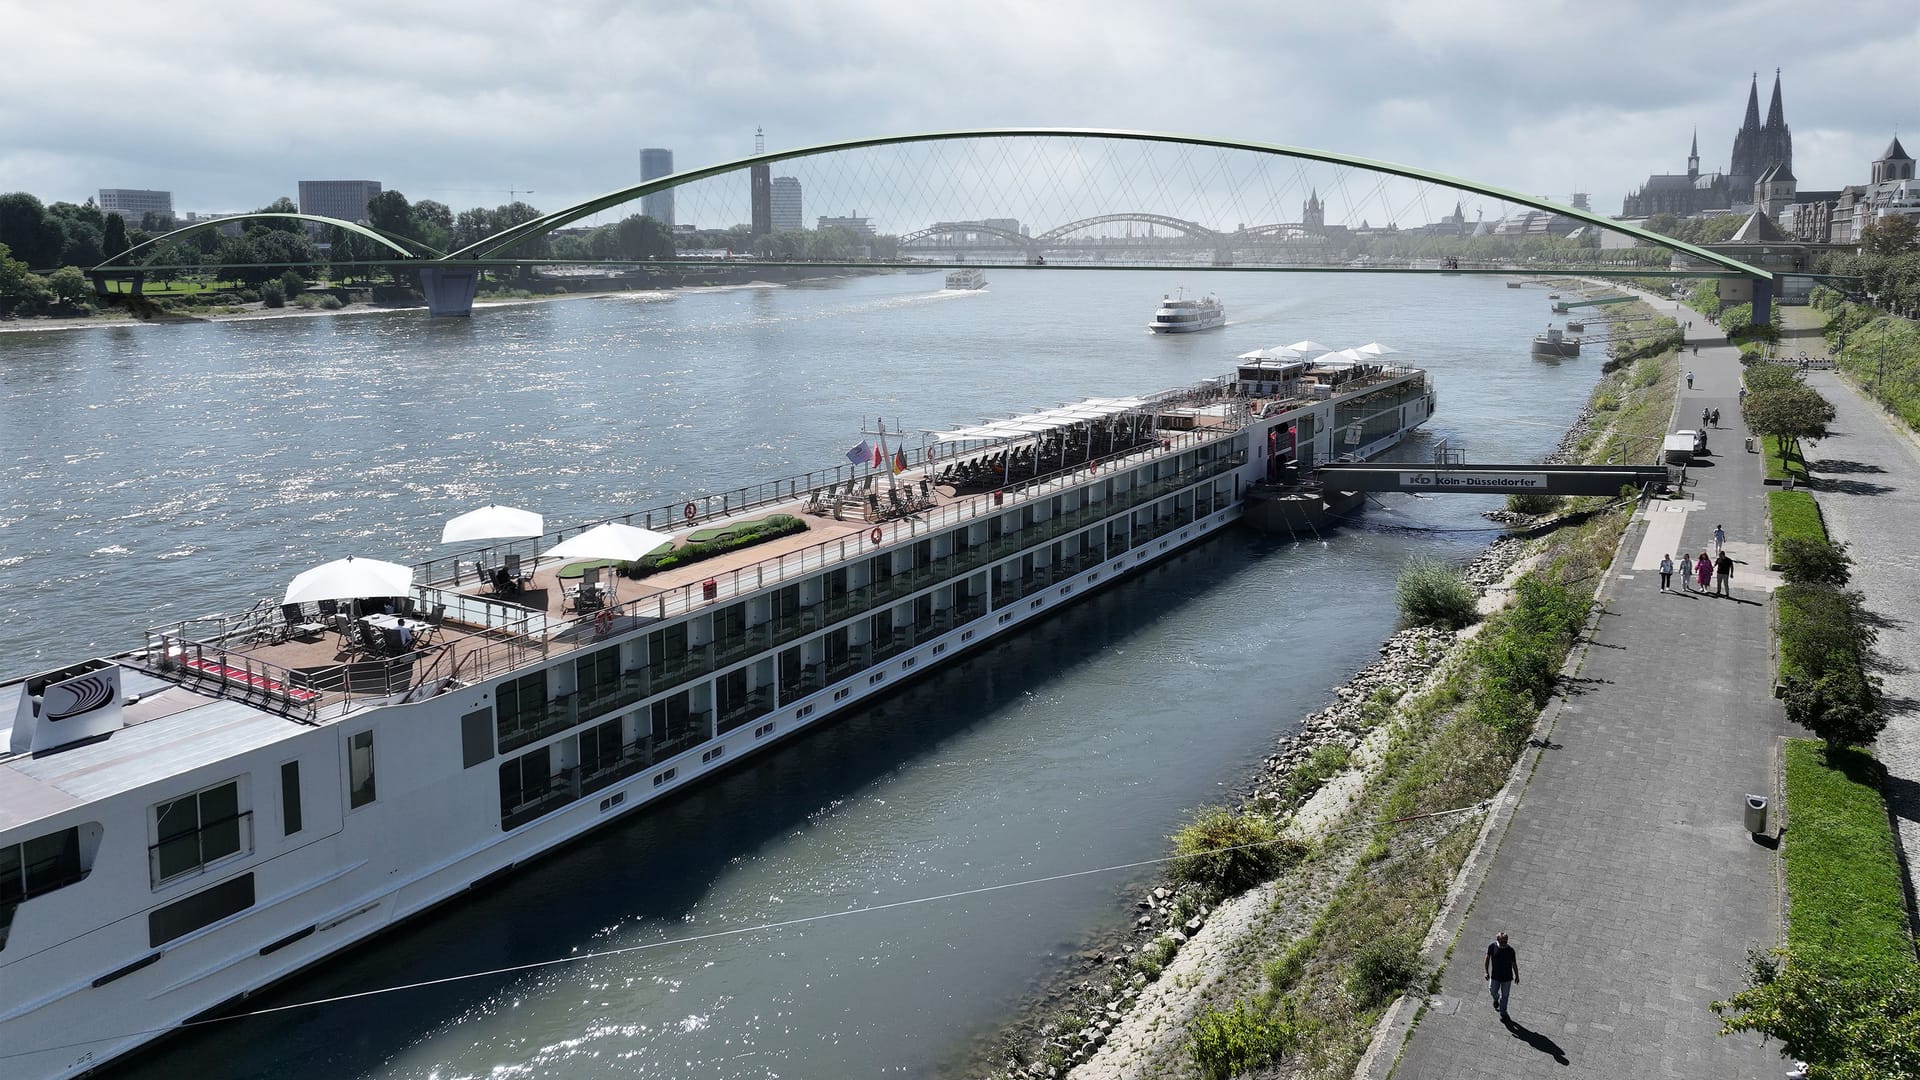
x=257 y=310
x=1374 y=753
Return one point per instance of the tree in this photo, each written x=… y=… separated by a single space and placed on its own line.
x=434 y=220
x=1851 y=1025
x=642 y=237
x=1788 y=413
x=281 y=205
x=389 y=212
x=114 y=239
x=70 y=285
x=32 y=234
x=1892 y=234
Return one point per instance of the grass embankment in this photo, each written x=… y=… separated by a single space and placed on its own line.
x=1451 y=745
x=1879 y=352
x=1842 y=874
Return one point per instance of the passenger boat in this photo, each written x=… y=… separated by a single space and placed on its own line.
x=240 y=796
x=1179 y=315
x=966 y=278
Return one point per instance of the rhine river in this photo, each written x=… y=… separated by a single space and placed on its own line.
x=155 y=472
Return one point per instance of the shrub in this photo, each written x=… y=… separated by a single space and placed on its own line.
x=1383 y=968
x=1813 y=560
x=249 y=296
x=306 y=302
x=292 y=284
x=1226 y=1043
x=1228 y=853
x=1533 y=503
x=744 y=534
x=273 y=294
x=331 y=303
x=1842 y=706
x=1434 y=594
x=1312 y=774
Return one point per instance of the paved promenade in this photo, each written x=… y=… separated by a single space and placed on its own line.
x=1624 y=876
x=1868 y=476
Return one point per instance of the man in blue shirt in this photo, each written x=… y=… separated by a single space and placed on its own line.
x=1502 y=967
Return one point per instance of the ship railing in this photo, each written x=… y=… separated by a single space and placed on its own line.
x=532 y=635
x=454 y=570
x=210 y=667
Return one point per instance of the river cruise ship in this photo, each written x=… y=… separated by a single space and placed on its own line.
x=1179 y=315
x=966 y=278
x=240 y=796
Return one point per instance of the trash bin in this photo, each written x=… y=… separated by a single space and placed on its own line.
x=1757 y=814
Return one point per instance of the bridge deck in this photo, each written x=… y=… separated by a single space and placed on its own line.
x=1492 y=479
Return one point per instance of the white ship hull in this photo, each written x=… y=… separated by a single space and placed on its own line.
x=96 y=967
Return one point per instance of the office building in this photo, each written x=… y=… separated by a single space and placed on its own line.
x=133 y=203
x=655 y=163
x=855 y=223
x=784 y=205
x=343 y=199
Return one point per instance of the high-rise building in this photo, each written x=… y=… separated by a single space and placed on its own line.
x=654 y=164
x=783 y=205
x=760 y=179
x=343 y=199
x=132 y=203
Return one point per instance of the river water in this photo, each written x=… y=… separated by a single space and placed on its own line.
x=154 y=472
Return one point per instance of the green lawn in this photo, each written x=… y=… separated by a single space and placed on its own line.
x=1783 y=463
x=1795 y=514
x=1843 y=879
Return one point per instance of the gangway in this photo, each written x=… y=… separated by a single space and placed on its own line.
x=1562 y=307
x=1490 y=479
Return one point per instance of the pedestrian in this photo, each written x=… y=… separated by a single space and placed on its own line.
x=1703 y=568
x=1690 y=376
x=1696 y=350
x=1743 y=395
x=1716 y=418
x=1723 y=576
x=1706 y=417
x=1686 y=572
x=1502 y=968
x=1719 y=539
x=1666 y=573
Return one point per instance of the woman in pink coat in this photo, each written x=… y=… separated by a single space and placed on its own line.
x=1704 y=570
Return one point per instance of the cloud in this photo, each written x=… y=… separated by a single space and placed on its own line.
x=463 y=101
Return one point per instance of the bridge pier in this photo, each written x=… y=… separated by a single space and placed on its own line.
x=449 y=289
x=1762 y=303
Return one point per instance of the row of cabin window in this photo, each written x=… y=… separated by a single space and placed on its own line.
x=597 y=674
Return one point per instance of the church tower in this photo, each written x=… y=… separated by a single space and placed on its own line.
x=1693 y=157
x=1758 y=148
x=1894 y=164
x=1313 y=213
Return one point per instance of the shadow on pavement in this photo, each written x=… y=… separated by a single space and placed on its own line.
x=1536 y=1040
x=1842 y=465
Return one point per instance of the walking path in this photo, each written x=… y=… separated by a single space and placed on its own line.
x=1621 y=868
x=1868 y=476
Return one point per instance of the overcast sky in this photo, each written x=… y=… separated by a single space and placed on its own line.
x=229 y=107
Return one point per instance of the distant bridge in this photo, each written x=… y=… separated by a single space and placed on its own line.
x=451 y=279
x=1491 y=479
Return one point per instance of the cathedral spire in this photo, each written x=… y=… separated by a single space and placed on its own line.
x=1775 y=118
x=1752 y=122
x=1693 y=156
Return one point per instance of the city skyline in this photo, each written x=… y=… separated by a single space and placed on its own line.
x=1444 y=90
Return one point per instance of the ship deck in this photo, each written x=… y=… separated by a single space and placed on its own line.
x=321 y=676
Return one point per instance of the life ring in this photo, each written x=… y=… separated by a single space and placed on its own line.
x=690 y=512
x=875 y=534
x=603 y=622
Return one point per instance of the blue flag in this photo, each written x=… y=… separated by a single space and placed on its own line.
x=862 y=454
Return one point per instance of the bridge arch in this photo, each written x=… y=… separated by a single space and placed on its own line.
x=500 y=242
x=404 y=248
x=949 y=228
x=1191 y=228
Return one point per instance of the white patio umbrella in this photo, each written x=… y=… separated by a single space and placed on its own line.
x=345 y=579
x=492 y=523
x=1374 y=348
x=1335 y=357
x=610 y=541
x=1309 y=346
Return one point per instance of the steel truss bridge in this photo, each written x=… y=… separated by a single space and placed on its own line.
x=450 y=279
